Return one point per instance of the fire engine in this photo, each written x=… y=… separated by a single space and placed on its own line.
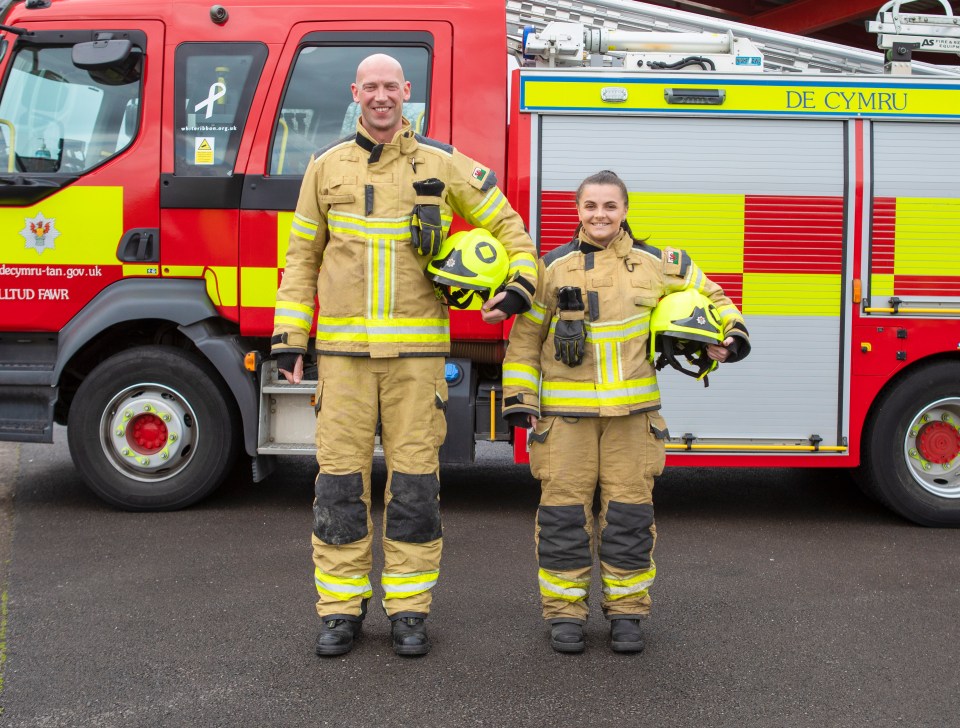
x=153 y=153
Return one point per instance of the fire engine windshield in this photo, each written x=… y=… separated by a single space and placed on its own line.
x=318 y=106
x=57 y=118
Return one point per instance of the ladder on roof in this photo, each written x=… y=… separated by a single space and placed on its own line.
x=782 y=52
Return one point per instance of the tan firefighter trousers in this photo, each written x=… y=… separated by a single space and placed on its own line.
x=571 y=456
x=409 y=394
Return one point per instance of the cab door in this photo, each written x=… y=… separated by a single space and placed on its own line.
x=79 y=162
x=309 y=106
x=209 y=101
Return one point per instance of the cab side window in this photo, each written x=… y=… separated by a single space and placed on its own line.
x=213 y=88
x=58 y=118
x=318 y=107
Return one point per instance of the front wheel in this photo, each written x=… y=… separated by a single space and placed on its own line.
x=152 y=428
x=912 y=446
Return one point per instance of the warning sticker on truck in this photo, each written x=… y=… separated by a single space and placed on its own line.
x=203 y=150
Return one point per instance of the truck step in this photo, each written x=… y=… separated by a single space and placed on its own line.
x=286 y=448
x=307 y=386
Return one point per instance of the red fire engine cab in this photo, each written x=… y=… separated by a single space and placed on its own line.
x=153 y=154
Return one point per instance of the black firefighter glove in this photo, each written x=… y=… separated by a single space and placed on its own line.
x=426 y=229
x=287 y=360
x=570 y=337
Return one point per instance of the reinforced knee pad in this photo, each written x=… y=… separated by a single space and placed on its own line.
x=413 y=514
x=627 y=539
x=563 y=543
x=339 y=513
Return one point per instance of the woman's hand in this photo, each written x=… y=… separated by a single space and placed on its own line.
x=720 y=352
x=493 y=315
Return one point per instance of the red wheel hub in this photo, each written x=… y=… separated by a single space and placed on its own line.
x=147 y=434
x=938 y=442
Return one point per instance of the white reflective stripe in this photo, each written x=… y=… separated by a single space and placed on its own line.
x=610 y=362
x=520 y=375
x=287 y=321
x=618 y=336
x=382 y=278
x=614 y=587
x=303 y=231
x=489 y=207
x=536 y=313
x=619 y=331
x=289 y=313
x=695 y=278
x=308 y=222
x=396 y=586
x=342 y=587
x=304 y=227
x=571 y=591
x=334 y=328
x=729 y=312
x=588 y=394
x=524 y=262
x=375 y=228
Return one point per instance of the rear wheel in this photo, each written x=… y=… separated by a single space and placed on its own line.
x=152 y=428
x=912 y=447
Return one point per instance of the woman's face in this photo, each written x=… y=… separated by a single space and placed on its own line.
x=601 y=209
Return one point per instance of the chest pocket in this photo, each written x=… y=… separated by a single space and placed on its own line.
x=642 y=291
x=340 y=192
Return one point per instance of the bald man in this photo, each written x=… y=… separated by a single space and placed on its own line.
x=372 y=211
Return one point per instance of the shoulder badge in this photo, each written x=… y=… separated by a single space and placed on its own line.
x=479 y=176
x=672 y=261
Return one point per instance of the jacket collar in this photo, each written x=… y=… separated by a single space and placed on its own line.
x=404 y=139
x=620 y=245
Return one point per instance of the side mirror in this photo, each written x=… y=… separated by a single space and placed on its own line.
x=100 y=54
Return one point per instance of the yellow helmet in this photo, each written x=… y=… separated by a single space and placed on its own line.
x=684 y=323
x=469 y=269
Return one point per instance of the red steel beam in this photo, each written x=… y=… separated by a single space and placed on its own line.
x=808 y=16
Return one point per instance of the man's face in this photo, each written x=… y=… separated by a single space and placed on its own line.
x=381 y=90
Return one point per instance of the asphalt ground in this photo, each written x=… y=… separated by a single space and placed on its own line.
x=783 y=598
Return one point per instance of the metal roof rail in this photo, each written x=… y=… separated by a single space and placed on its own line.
x=782 y=52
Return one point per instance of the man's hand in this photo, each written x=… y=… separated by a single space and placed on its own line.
x=502 y=306
x=720 y=352
x=291 y=367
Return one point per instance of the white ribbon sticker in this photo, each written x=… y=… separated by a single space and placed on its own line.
x=218 y=90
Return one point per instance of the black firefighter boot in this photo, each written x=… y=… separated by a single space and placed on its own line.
x=625 y=635
x=567 y=636
x=409 y=634
x=338 y=633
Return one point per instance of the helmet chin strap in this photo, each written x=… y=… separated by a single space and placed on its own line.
x=700 y=359
x=461 y=298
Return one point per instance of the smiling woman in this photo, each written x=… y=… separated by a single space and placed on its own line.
x=602 y=207
x=579 y=374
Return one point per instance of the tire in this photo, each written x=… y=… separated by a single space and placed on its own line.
x=153 y=429
x=911 y=458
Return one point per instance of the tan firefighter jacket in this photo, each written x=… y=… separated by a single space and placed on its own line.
x=350 y=247
x=620 y=286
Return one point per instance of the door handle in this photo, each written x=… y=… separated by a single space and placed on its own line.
x=140 y=245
